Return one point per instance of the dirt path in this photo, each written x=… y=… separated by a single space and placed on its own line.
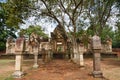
x=59 y=70
x=62 y=70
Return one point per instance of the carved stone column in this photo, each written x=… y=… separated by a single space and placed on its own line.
x=75 y=54
x=19 y=49
x=35 y=61
x=18 y=66
x=75 y=57
x=96 y=64
x=96 y=45
x=35 y=52
x=81 y=60
x=81 y=51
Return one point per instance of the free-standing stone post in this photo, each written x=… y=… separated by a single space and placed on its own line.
x=19 y=48
x=81 y=51
x=18 y=67
x=35 y=61
x=81 y=60
x=96 y=45
x=35 y=52
x=34 y=44
x=75 y=52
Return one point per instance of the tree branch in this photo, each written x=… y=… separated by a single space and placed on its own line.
x=75 y=2
x=63 y=8
x=74 y=11
x=52 y=16
x=50 y=12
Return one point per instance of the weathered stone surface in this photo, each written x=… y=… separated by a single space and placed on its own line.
x=81 y=60
x=96 y=62
x=35 y=61
x=18 y=67
x=97 y=74
x=96 y=43
x=19 y=44
x=27 y=47
x=10 y=49
x=106 y=48
x=10 y=46
x=18 y=74
x=34 y=43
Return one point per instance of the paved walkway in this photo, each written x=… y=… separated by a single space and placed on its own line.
x=59 y=70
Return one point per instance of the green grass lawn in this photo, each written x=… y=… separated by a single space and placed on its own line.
x=2 y=61
x=4 y=64
x=7 y=68
x=6 y=76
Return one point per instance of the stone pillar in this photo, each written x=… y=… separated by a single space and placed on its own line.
x=81 y=52
x=19 y=49
x=81 y=60
x=96 y=45
x=35 y=61
x=75 y=54
x=96 y=65
x=18 y=66
x=75 y=57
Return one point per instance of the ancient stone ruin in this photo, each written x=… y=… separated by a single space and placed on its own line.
x=58 y=44
x=96 y=46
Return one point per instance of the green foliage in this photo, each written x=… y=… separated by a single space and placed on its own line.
x=117 y=4
x=4 y=30
x=107 y=31
x=99 y=11
x=37 y=29
x=2 y=46
x=116 y=39
x=16 y=11
x=12 y=14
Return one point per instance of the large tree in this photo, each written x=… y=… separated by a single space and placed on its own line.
x=12 y=13
x=4 y=30
x=77 y=14
x=68 y=14
x=99 y=13
x=65 y=13
x=16 y=11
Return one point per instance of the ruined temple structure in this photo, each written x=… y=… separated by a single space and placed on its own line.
x=10 y=45
x=59 y=41
x=107 y=46
x=58 y=46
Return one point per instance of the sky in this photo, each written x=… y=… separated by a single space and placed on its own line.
x=49 y=27
x=3 y=0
